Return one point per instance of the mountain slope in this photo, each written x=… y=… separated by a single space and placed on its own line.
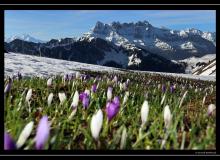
x=30 y=65
x=208 y=69
x=97 y=51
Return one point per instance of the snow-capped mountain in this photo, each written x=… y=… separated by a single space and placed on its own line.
x=137 y=46
x=24 y=37
x=171 y=44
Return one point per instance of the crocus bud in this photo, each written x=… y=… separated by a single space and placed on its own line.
x=171 y=89
x=85 y=101
x=124 y=86
x=115 y=79
x=8 y=86
x=128 y=81
x=26 y=132
x=49 y=82
x=28 y=96
x=94 y=87
x=109 y=93
x=163 y=88
x=77 y=75
x=96 y=124
x=9 y=143
x=43 y=131
x=144 y=112
x=125 y=97
x=111 y=110
x=121 y=86
x=62 y=97
x=49 y=99
x=211 y=109
x=167 y=117
x=75 y=100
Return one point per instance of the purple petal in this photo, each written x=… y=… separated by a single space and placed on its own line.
x=85 y=101
x=163 y=88
x=116 y=101
x=82 y=95
x=94 y=87
x=111 y=110
x=43 y=132
x=9 y=144
x=172 y=89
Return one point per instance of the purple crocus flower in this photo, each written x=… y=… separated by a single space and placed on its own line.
x=85 y=101
x=94 y=88
x=84 y=97
x=43 y=132
x=9 y=144
x=66 y=77
x=112 y=108
x=8 y=86
x=163 y=88
x=171 y=88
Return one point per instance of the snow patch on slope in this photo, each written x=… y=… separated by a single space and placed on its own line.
x=43 y=67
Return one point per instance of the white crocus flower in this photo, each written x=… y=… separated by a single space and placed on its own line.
x=49 y=99
x=62 y=97
x=121 y=86
x=49 y=82
x=144 y=112
x=28 y=96
x=125 y=97
x=26 y=132
x=77 y=75
x=211 y=109
x=75 y=100
x=96 y=124
x=109 y=93
x=167 y=117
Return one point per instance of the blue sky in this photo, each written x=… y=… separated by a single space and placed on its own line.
x=47 y=24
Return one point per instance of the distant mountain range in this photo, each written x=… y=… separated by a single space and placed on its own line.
x=138 y=46
x=24 y=37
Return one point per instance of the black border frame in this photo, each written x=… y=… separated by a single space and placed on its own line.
x=108 y=152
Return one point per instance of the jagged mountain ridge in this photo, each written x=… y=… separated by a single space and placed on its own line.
x=171 y=44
